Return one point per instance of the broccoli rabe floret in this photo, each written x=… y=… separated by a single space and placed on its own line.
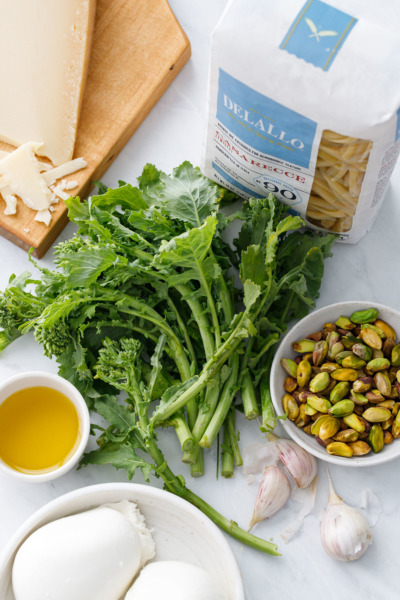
x=55 y=339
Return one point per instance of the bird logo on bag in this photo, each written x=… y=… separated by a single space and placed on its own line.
x=318 y=34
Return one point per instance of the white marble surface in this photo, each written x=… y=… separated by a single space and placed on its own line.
x=174 y=132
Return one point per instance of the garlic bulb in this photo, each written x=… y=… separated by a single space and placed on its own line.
x=345 y=532
x=273 y=493
x=301 y=465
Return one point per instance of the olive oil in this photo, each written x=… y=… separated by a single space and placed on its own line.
x=39 y=430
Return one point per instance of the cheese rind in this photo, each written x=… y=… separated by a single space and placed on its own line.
x=46 y=45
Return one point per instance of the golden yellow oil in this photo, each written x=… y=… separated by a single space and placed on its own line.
x=39 y=430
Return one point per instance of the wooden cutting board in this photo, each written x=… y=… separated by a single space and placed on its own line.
x=138 y=49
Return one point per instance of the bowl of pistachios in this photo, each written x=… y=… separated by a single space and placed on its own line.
x=335 y=383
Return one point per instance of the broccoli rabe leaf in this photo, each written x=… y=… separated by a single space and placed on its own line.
x=126 y=196
x=251 y=293
x=123 y=457
x=252 y=265
x=188 y=196
x=83 y=268
x=118 y=415
x=189 y=251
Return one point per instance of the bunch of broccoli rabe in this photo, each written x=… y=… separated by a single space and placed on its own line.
x=160 y=322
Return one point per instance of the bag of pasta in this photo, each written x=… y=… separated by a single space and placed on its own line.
x=304 y=102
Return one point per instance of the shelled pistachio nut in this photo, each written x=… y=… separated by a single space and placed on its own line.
x=320 y=351
x=387 y=347
x=339 y=449
x=387 y=438
x=395 y=431
x=304 y=372
x=389 y=332
x=396 y=356
x=290 y=384
x=357 y=398
x=343 y=408
x=364 y=316
x=344 y=323
x=332 y=337
x=335 y=349
x=329 y=428
x=304 y=346
x=318 y=403
x=382 y=383
x=309 y=410
x=397 y=420
x=290 y=406
x=376 y=437
x=378 y=364
x=302 y=418
x=320 y=382
x=354 y=422
x=317 y=424
x=362 y=351
x=353 y=362
x=339 y=392
x=329 y=367
x=346 y=435
x=290 y=366
x=374 y=396
x=360 y=448
x=345 y=375
x=362 y=384
x=371 y=338
x=389 y=404
x=387 y=424
x=376 y=414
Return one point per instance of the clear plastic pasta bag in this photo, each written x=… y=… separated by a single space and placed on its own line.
x=304 y=102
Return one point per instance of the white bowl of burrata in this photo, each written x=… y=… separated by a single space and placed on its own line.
x=119 y=541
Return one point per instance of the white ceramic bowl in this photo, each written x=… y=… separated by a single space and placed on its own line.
x=181 y=531
x=311 y=323
x=42 y=378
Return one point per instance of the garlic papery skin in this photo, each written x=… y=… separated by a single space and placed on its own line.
x=301 y=465
x=345 y=532
x=273 y=493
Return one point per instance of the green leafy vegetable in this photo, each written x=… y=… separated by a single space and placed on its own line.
x=144 y=318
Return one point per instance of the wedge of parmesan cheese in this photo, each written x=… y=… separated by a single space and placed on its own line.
x=20 y=175
x=45 y=46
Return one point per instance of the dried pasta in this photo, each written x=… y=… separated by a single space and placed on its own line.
x=341 y=165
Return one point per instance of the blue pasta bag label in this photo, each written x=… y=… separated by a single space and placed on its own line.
x=317 y=33
x=297 y=106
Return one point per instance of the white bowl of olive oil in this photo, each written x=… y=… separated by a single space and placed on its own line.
x=44 y=426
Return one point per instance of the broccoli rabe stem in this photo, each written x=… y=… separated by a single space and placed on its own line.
x=268 y=413
x=228 y=393
x=234 y=437
x=197 y=468
x=183 y=432
x=227 y=465
x=249 y=398
x=207 y=408
x=182 y=327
